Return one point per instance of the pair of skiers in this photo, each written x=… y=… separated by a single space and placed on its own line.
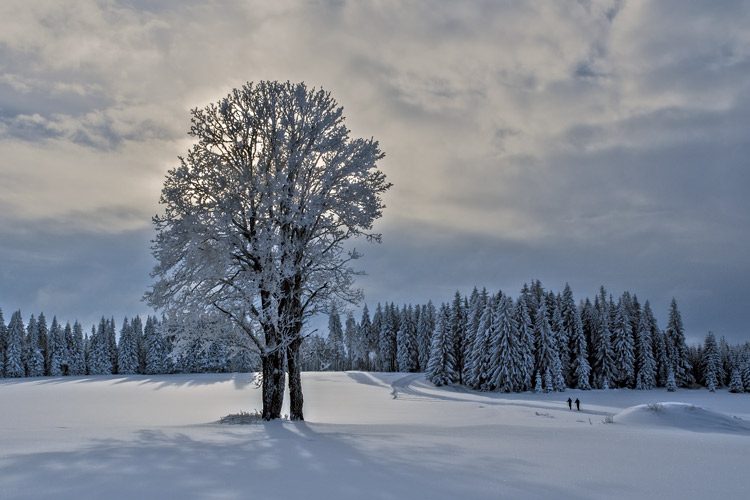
x=578 y=404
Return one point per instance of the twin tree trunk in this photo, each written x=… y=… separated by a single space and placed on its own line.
x=274 y=382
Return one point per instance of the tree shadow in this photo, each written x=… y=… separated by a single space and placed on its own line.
x=266 y=460
x=240 y=380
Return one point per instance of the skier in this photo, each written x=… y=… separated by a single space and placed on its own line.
x=570 y=404
x=578 y=405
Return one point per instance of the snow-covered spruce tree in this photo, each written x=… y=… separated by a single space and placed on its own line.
x=581 y=370
x=546 y=345
x=458 y=332
x=671 y=383
x=735 y=381
x=602 y=345
x=388 y=343
x=480 y=368
x=623 y=348
x=375 y=328
x=256 y=217
x=57 y=357
x=425 y=327
x=676 y=348
x=365 y=333
x=353 y=342
x=3 y=343
x=335 y=338
x=711 y=362
x=646 y=371
x=507 y=351
x=441 y=369
x=43 y=340
x=14 y=347
x=406 y=340
x=99 y=361
x=477 y=303
x=77 y=350
x=526 y=332
x=33 y=357
x=127 y=355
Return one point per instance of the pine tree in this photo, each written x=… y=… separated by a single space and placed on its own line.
x=14 y=347
x=155 y=348
x=388 y=338
x=623 y=349
x=526 y=333
x=508 y=351
x=408 y=358
x=546 y=345
x=602 y=348
x=43 y=340
x=735 y=382
x=127 y=354
x=100 y=361
x=441 y=369
x=33 y=358
x=375 y=330
x=56 y=349
x=581 y=370
x=458 y=332
x=77 y=351
x=711 y=362
x=353 y=341
x=676 y=348
x=3 y=344
x=482 y=369
x=365 y=332
x=646 y=376
x=336 y=338
x=425 y=327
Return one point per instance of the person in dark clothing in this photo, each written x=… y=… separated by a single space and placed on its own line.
x=578 y=405
x=570 y=403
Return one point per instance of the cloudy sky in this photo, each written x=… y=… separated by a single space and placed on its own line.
x=590 y=142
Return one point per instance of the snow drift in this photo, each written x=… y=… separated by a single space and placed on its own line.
x=682 y=416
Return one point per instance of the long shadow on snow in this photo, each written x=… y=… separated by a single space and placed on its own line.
x=240 y=380
x=269 y=460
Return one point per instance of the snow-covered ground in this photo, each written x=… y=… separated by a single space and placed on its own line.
x=367 y=436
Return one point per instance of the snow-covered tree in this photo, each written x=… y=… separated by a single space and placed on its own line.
x=603 y=363
x=127 y=355
x=711 y=362
x=257 y=215
x=99 y=359
x=458 y=332
x=336 y=338
x=406 y=340
x=156 y=351
x=623 y=348
x=365 y=332
x=646 y=364
x=480 y=368
x=3 y=344
x=354 y=341
x=580 y=368
x=735 y=381
x=388 y=344
x=77 y=350
x=508 y=350
x=546 y=343
x=425 y=327
x=14 y=347
x=441 y=369
x=676 y=348
x=33 y=357
x=526 y=333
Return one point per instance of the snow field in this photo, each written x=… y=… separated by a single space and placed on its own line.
x=368 y=436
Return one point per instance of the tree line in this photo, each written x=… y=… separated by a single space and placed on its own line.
x=540 y=340
x=158 y=347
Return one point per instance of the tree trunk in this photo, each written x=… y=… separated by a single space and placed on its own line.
x=295 y=380
x=273 y=384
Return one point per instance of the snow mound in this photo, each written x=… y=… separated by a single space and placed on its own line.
x=682 y=416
